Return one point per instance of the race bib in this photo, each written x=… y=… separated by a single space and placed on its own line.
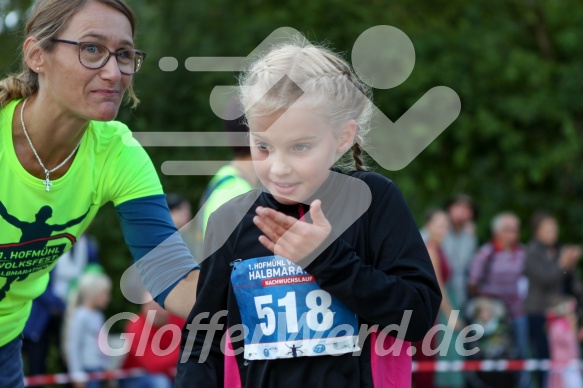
x=285 y=314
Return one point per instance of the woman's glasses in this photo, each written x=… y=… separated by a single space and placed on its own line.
x=95 y=56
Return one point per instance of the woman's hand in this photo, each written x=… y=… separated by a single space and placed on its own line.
x=570 y=256
x=289 y=237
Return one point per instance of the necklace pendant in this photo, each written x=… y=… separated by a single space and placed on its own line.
x=47 y=183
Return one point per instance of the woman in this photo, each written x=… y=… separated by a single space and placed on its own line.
x=437 y=227
x=62 y=158
x=550 y=269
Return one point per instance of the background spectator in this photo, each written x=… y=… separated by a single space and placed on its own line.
x=44 y=326
x=563 y=344
x=180 y=209
x=438 y=226
x=550 y=269
x=460 y=243
x=158 y=355
x=181 y=213
x=497 y=271
x=233 y=179
x=82 y=325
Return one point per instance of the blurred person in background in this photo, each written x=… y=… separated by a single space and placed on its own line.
x=564 y=344
x=44 y=326
x=181 y=213
x=498 y=271
x=233 y=179
x=550 y=270
x=180 y=209
x=237 y=177
x=83 y=323
x=155 y=346
x=437 y=227
x=460 y=244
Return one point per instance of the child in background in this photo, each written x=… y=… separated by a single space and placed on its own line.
x=153 y=347
x=83 y=322
x=564 y=345
x=348 y=258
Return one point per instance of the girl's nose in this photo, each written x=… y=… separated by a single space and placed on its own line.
x=279 y=165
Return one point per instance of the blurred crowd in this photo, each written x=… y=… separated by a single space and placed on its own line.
x=525 y=295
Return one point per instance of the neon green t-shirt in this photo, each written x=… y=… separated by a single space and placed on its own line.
x=37 y=227
x=224 y=192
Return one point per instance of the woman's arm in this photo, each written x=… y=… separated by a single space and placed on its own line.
x=182 y=297
x=163 y=260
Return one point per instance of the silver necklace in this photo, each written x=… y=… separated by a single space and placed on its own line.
x=47 y=183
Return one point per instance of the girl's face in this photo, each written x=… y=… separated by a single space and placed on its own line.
x=293 y=150
x=101 y=299
x=88 y=94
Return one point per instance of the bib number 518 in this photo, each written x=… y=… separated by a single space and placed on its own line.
x=318 y=318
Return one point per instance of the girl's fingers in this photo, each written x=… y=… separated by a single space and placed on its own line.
x=277 y=249
x=276 y=227
x=266 y=229
x=267 y=243
x=317 y=214
x=278 y=217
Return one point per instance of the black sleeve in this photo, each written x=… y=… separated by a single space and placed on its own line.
x=201 y=362
x=402 y=277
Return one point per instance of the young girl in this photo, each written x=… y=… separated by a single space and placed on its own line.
x=564 y=345
x=296 y=271
x=83 y=323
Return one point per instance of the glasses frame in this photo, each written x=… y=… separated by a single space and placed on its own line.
x=116 y=54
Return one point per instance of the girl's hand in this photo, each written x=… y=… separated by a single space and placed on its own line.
x=287 y=236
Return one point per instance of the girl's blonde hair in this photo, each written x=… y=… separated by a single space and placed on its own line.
x=47 y=19
x=89 y=286
x=276 y=80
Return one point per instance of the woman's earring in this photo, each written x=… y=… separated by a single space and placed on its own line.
x=38 y=69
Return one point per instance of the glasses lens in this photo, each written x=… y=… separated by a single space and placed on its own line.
x=95 y=56
x=126 y=60
x=92 y=55
x=130 y=61
x=140 y=57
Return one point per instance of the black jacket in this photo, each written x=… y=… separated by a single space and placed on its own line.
x=378 y=267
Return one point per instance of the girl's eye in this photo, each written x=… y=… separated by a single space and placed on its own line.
x=262 y=147
x=301 y=147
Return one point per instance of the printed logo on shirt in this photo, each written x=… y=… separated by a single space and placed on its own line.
x=33 y=252
x=285 y=314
